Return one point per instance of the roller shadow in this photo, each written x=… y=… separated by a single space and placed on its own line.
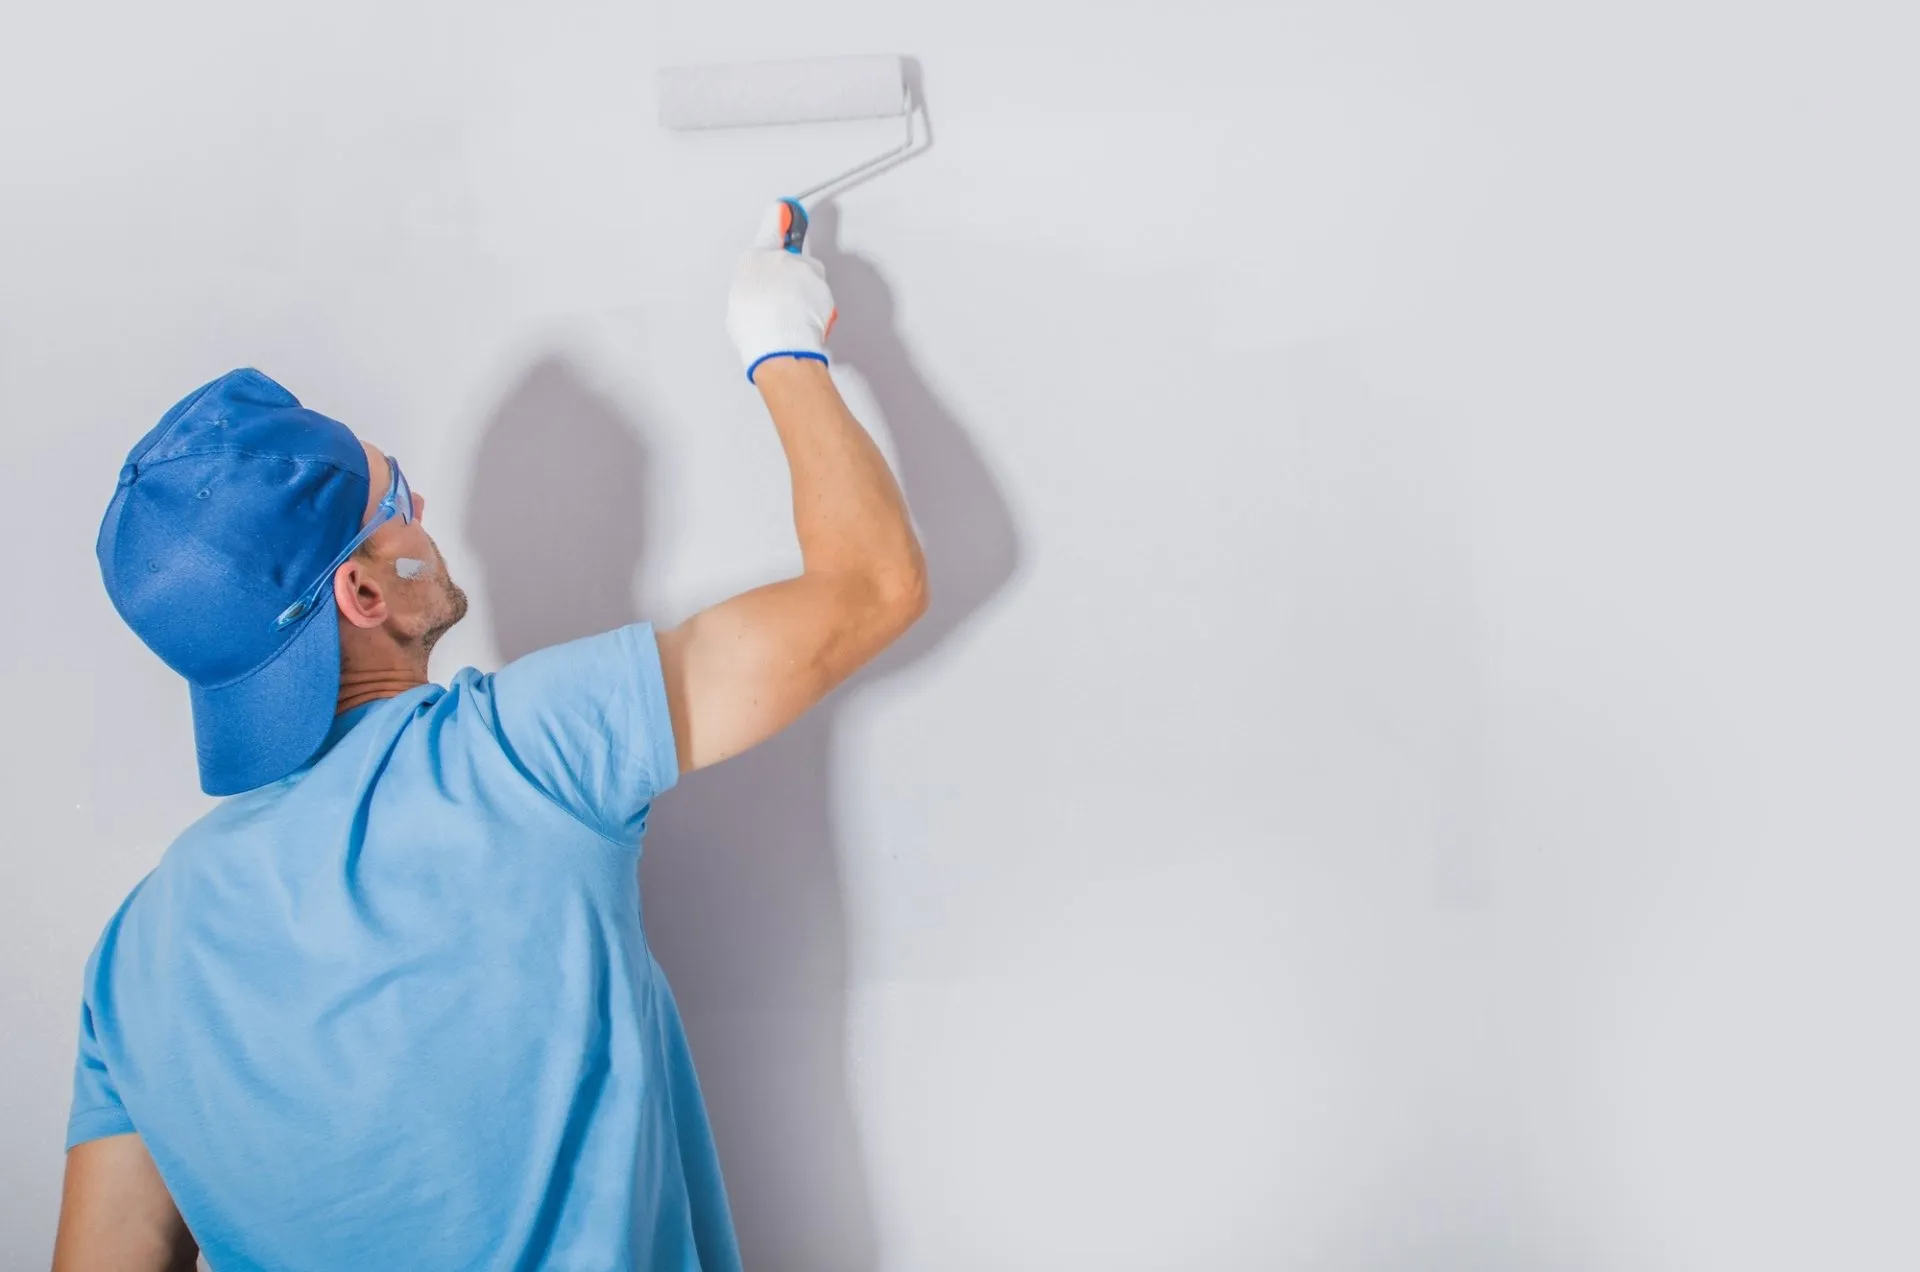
x=741 y=874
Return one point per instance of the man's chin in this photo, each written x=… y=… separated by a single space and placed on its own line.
x=455 y=611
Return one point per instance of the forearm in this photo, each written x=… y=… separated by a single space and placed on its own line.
x=847 y=508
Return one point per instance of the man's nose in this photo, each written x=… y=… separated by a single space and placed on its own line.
x=419 y=507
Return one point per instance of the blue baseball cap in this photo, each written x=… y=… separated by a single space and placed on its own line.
x=225 y=513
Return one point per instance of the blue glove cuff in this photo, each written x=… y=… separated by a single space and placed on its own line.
x=783 y=353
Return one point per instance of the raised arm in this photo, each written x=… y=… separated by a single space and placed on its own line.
x=741 y=671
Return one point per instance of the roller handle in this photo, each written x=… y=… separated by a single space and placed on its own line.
x=793 y=233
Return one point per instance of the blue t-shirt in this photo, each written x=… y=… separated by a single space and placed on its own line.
x=397 y=1010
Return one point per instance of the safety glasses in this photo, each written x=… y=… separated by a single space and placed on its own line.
x=398 y=503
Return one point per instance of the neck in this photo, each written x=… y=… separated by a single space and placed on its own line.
x=366 y=679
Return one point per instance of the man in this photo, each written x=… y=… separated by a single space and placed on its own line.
x=389 y=1006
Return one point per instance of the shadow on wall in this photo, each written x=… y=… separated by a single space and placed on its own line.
x=744 y=903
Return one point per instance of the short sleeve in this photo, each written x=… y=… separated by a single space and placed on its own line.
x=97 y=1111
x=587 y=723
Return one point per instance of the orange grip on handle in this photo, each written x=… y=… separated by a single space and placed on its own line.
x=793 y=225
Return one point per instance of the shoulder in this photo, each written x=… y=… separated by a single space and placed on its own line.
x=602 y=677
x=126 y=917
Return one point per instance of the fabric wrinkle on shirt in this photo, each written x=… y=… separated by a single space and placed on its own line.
x=397 y=1010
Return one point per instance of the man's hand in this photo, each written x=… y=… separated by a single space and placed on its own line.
x=743 y=670
x=780 y=305
x=116 y=1214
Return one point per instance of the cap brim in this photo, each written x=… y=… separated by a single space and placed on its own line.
x=262 y=727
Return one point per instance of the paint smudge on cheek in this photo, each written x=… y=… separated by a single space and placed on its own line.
x=409 y=567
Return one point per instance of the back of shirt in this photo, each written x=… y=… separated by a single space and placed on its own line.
x=397 y=1010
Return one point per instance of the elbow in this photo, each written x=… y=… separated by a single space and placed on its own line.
x=904 y=596
x=875 y=607
x=899 y=596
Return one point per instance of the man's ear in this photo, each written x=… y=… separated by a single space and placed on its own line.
x=358 y=594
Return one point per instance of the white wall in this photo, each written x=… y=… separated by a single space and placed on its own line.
x=1412 y=764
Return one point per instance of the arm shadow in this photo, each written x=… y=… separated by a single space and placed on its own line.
x=967 y=529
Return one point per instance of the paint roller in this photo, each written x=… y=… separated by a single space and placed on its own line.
x=799 y=91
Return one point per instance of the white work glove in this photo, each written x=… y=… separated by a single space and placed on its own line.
x=780 y=306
